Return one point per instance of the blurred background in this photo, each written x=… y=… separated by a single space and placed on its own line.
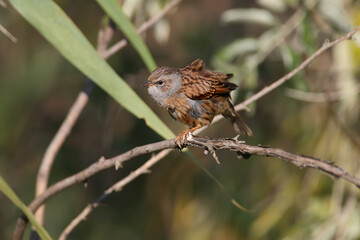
x=316 y=113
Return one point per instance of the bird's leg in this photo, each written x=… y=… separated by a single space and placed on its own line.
x=180 y=139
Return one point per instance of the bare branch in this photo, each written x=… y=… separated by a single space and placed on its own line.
x=217 y=144
x=279 y=37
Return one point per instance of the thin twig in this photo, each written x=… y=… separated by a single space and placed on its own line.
x=71 y=118
x=145 y=26
x=3 y=4
x=54 y=147
x=288 y=76
x=7 y=33
x=145 y=168
x=279 y=37
x=276 y=39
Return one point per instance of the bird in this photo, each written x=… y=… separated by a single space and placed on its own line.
x=194 y=95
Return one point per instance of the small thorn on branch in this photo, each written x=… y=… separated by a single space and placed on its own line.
x=326 y=43
x=212 y=151
x=118 y=165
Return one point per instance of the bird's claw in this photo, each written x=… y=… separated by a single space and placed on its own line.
x=181 y=138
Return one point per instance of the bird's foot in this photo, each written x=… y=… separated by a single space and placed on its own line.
x=180 y=139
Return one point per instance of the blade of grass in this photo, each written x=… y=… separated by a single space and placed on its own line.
x=6 y=189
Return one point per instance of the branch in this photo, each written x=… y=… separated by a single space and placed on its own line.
x=244 y=150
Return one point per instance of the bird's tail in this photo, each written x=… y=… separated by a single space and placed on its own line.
x=239 y=124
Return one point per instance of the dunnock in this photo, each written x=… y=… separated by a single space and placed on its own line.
x=194 y=96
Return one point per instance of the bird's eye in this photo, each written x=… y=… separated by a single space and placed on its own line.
x=160 y=82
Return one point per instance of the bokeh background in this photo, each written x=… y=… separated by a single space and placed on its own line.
x=316 y=113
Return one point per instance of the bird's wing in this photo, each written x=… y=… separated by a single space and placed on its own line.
x=199 y=84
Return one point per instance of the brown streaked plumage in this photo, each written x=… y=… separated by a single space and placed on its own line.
x=194 y=96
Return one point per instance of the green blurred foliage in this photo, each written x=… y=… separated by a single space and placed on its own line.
x=177 y=200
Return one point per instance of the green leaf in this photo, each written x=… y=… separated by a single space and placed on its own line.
x=114 y=11
x=5 y=188
x=62 y=33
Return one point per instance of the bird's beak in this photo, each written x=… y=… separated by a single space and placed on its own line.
x=147 y=84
